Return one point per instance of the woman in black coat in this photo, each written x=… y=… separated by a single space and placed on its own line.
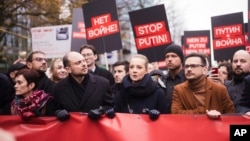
x=139 y=93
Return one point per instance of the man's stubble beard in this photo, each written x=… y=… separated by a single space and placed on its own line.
x=175 y=68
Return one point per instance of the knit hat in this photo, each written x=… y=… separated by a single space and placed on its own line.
x=16 y=66
x=156 y=72
x=175 y=49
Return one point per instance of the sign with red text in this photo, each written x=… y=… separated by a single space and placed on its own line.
x=102 y=26
x=197 y=41
x=228 y=35
x=246 y=38
x=151 y=31
x=78 y=30
x=54 y=41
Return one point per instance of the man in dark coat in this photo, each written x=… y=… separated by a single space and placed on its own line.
x=243 y=105
x=174 y=59
x=81 y=91
x=90 y=54
x=241 y=67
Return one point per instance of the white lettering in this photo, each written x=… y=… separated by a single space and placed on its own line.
x=240 y=132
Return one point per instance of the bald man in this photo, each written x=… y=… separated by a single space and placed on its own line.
x=81 y=91
x=241 y=67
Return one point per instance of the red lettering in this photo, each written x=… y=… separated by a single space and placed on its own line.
x=205 y=51
x=79 y=35
x=231 y=42
x=197 y=45
x=153 y=40
x=150 y=28
x=81 y=25
x=101 y=20
x=47 y=30
x=227 y=31
x=103 y=30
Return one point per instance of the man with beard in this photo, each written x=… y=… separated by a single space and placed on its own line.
x=241 y=67
x=174 y=59
x=37 y=61
x=199 y=94
x=81 y=91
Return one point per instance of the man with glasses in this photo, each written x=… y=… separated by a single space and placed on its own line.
x=90 y=54
x=199 y=94
x=38 y=62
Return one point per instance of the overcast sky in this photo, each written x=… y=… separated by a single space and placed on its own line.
x=198 y=13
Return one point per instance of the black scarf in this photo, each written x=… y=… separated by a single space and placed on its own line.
x=144 y=88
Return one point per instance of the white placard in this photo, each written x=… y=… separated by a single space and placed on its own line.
x=54 y=41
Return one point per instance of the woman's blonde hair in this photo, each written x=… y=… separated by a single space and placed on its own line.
x=142 y=57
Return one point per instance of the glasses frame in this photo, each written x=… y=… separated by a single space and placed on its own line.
x=39 y=59
x=193 y=66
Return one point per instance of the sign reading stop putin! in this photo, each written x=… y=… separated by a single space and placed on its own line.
x=151 y=32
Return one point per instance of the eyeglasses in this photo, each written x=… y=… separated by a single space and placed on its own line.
x=192 y=66
x=87 y=55
x=39 y=59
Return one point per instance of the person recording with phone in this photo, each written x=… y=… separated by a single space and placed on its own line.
x=215 y=76
x=213 y=72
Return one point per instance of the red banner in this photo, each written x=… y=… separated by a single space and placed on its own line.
x=124 y=127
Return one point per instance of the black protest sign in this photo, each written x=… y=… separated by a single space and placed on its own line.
x=78 y=30
x=246 y=38
x=228 y=35
x=197 y=41
x=102 y=26
x=151 y=31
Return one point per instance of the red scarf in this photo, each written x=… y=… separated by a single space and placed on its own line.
x=29 y=105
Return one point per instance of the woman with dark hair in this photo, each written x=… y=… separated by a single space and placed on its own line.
x=226 y=70
x=30 y=102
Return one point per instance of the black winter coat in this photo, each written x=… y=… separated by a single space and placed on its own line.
x=133 y=98
x=91 y=94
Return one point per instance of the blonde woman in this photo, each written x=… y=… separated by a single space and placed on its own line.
x=57 y=70
x=139 y=94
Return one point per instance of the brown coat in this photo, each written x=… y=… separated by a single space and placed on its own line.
x=217 y=98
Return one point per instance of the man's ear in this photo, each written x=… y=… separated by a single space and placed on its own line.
x=29 y=65
x=68 y=69
x=12 y=74
x=95 y=56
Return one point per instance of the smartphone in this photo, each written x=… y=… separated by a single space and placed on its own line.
x=215 y=70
